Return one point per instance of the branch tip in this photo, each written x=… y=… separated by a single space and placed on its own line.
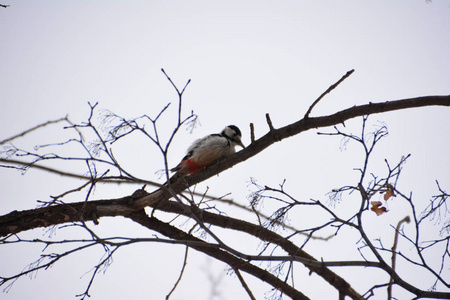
x=252 y=133
x=332 y=87
x=269 y=122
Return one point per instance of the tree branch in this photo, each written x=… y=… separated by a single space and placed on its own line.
x=234 y=262
x=293 y=129
x=66 y=118
x=327 y=91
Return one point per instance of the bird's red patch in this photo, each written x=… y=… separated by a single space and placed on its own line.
x=189 y=166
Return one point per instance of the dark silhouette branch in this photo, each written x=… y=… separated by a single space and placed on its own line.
x=181 y=273
x=231 y=260
x=327 y=91
x=244 y=284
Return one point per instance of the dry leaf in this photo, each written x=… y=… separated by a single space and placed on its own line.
x=389 y=192
x=377 y=208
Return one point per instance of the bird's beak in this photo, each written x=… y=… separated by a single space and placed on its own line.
x=239 y=142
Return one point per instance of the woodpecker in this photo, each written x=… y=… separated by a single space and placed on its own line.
x=206 y=151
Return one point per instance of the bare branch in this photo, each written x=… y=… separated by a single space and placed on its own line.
x=252 y=133
x=227 y=258
x=34 y=128
x=269 y=122
x=393 y=258
x=244 y=284
x=181 y=274
x=327 y=91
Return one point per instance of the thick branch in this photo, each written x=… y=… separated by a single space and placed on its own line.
x=293 y=129
x=231 y=260
x=89 y=211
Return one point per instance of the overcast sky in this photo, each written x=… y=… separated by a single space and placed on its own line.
x=245 y=59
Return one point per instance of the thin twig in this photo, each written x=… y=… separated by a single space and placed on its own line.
x=181 y=273
x=170 y=80
x=34 y=128
x=244 y=284
x=327 y=91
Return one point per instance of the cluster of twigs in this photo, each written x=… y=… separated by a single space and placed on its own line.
x=97 y=154
x=369 y=186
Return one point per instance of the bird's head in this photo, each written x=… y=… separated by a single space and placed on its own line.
x=233 y=134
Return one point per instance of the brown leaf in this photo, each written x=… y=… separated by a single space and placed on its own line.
x=389 y=192
x=377 y=208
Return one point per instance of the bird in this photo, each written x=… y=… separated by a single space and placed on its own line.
x=208 y=150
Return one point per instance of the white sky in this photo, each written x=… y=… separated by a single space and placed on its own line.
x=245 y=58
